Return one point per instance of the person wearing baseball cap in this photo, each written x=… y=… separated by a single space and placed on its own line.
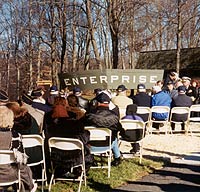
x=181 y=100
x=104 y=117
x=121 y=99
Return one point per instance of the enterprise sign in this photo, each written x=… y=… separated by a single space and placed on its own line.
x=111 y=78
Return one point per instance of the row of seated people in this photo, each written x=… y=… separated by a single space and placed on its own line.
x=63 y=121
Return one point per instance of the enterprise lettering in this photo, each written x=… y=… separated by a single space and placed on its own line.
x=123 y=79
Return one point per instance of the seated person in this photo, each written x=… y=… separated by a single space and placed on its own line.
x=131 y=115
x=104 y=117
x=58 y=123
x=11 y=140
x=24 y=123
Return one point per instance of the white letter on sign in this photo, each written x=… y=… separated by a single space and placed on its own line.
x=75 y=81
x=125 y=78
x=153 y=79
x=67 y=82
x=83 y=78
x=113 y=78
x=142 y=79
x=103 y=78
x=92 y=80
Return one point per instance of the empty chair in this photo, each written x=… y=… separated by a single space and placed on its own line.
x=74 y=148
x=160 y=110
x=7 y=158
x=134 y=133
x=100 y=141
x=144 y=113
x=34 y=147
x=194 y=116
x=179 y=116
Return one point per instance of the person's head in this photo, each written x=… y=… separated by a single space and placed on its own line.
x=59 y=108
x=182 y=89
x=156 y=89
x=6 y=117
x=73 y=100
x=159 y=83
x=186 y=81
x=77 y=91
x=131 y=109
x=17 y=109
x=195 y=83
x=178 y=83
x=103 y=99
x=54 y=90
x=97 y=91
x=170 y=85
x=173 y=75
x=36 y=93
x=121 y=89
x=60 y=101
x=3 y=96
x=141 y=88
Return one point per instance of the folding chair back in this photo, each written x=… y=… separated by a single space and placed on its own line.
x=122 y=112
x=179 y=111
x=160 y=110
x=100 y=141
x=134 y=129
x=34 y=148
x=7 y=158
x=194 y=115
x=67 y=144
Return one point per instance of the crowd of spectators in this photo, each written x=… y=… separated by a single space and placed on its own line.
x=66 y=115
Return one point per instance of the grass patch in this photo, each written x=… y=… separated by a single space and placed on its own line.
x=97 y=180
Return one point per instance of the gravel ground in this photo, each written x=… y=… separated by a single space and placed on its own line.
x=169 y=147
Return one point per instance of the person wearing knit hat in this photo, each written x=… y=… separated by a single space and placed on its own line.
x=3 y=97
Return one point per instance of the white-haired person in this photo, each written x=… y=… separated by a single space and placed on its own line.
x=11 y=140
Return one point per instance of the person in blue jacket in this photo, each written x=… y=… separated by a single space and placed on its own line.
x=160 y=98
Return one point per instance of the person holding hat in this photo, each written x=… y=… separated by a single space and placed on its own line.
x=3 y=97
x=103 y=117
x=182 y=100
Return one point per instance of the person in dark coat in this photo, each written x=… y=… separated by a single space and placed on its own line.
x=182 y=100
x=58 y=123
x=142 y=99
x=104 y=117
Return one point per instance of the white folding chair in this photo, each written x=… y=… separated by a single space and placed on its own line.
x=100 y=142
x=67 y=144
x=122 y=112
x=6 y=158
x=35 y=141
x=179 y=111
x=145 y=113
x=134 y=129
x=165 y=122
x=194 y=116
